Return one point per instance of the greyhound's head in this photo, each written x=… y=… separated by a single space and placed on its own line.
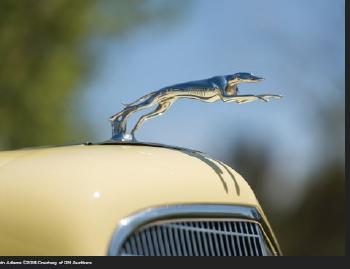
x=235 y=79
x=243 y=78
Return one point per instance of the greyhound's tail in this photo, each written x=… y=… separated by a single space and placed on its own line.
x=116 y=116
x=143 y=98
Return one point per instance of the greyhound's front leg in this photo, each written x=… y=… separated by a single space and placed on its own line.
x=240 y=99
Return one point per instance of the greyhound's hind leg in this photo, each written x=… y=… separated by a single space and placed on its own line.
x=161 y=108
x=128 y=111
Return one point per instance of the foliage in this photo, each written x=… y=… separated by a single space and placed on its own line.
x=319 y=221
x=44 y=60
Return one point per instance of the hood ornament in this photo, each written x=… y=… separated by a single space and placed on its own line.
x=209 y=90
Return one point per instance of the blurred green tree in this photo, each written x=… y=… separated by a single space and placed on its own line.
x=44 y=58
x=317 y=226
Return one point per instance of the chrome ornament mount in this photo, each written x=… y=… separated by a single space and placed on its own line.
x=209 y=90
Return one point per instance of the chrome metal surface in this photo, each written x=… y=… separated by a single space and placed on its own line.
x=243 y=238
x=194 y=230
x=210 y=90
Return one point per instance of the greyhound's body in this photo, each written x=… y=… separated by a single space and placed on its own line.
x=208 y=90
x=204 y=90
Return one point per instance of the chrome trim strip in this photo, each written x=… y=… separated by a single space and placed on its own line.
x=129 y=224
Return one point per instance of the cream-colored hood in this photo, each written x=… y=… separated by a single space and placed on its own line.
x=68 y=200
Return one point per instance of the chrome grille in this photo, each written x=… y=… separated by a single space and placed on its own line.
x=196 y=237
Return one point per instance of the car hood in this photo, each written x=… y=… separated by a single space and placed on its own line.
x=69 y=200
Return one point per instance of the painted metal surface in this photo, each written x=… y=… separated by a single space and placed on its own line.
x=69 y=200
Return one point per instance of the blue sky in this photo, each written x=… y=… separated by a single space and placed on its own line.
x=298 y=46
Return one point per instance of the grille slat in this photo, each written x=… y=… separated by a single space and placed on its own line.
x=184 y=242
x=205 y=239
x=241 y=238
x=127 y=247
x=249 y=243
x=171 y=241
x=177 y=242
x=200 y=247
x=160 y=237
x=216 y=244
x=225 y=237
x=227 y=240
x=193 y=239
x=133 y=245
x=221 y=241
x=237 y=239
x=151 y=246
x=252 y=241
x=156 y=241
x=166 y=240
x=144 y=244
x=139 y=246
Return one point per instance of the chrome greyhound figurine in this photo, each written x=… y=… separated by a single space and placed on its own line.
x=210 y=90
